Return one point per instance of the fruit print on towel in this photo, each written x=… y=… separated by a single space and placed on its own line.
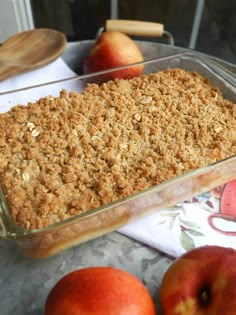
x=222 y=200
x=227 y=210
x=189 y=230
x=217 y=209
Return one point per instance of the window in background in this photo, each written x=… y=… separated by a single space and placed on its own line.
x=81 y=19
x=217 y=34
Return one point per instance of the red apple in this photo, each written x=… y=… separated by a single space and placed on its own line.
x=100 y=291
x=201 y=282
x=114 y=49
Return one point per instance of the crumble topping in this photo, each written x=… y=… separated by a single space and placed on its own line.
x=61 y=156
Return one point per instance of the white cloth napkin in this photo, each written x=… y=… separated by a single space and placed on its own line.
x=206 y=219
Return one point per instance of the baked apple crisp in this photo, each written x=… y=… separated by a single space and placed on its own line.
x=62 y=156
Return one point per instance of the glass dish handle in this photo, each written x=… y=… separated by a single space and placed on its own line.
x=3 y=230
x=228 y=75
x=3 y=233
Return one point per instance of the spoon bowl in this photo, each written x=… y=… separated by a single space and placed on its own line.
x=30 y=50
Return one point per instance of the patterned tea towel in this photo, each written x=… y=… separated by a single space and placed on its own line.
x=207 y=219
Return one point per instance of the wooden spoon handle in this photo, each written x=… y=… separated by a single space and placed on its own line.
x=138 y=28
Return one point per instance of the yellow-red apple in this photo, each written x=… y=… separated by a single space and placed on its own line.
x=201 y=282
x=100 y=291
x=114 y=49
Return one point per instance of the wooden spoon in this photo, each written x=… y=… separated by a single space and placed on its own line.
x=30 y=50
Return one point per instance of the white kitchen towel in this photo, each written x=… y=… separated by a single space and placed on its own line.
x=209 y=218
x=55 y=71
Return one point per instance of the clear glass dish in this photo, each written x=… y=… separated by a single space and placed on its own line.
x=52 y=239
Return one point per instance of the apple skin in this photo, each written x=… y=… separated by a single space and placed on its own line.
x=201 y=282
x=100 y=291
x=114 y=49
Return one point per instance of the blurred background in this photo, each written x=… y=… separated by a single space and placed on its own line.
x=207 y=26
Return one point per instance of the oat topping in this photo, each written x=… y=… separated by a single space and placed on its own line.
x=65 y=155
x=25 y=176
x=35 y=133
x=146 y=100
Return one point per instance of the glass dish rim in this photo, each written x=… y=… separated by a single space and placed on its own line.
x=204 y=61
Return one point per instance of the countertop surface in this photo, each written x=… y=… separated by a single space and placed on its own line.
x=25 y=282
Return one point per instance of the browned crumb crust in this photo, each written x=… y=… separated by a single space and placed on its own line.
x=64 y=155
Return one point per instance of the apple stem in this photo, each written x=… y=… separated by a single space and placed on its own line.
x=205 y=296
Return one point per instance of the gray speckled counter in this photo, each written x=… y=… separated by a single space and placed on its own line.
x=25 y=283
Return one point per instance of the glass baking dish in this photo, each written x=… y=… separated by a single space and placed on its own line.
x=41 y=243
